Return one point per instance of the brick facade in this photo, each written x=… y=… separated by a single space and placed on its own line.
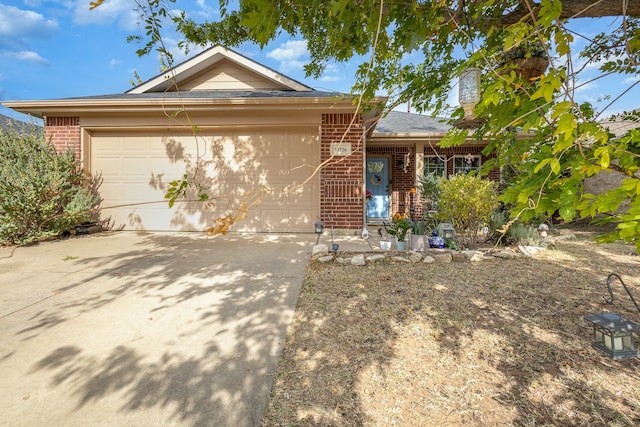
x=341 y=177
x=64 y=133
x=403 y=195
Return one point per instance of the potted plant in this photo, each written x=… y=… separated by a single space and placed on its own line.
x=385 y=243
x=399 y=226
x=418 y=237
x=529 y=60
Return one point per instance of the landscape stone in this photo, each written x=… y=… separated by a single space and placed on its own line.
x=530 y=251
x=319 y=250
x=400 y=259
x=504 y=254
x=358 y=260
x=473 y=256
x=325 y=259
x=444 y=257
x=429 y=259
x=376 y=257
x=415 y=257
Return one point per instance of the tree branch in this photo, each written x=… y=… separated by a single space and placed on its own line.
x=581 y=9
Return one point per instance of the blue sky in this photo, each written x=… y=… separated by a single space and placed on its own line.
x=53 y=49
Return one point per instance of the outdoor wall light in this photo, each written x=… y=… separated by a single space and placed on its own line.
x=612 y=333
x=468 y=97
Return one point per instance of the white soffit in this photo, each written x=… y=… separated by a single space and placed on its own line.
x=207 y=59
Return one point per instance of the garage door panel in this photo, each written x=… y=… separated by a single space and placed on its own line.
x=137 y=171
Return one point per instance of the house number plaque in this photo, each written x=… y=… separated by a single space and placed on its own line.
x=340 y=149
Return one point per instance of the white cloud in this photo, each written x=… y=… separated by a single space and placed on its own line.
x=329 y=79
x=26 y=56
x=114 y=63
x=204 y=10
x=331 y=74
x=109 y=12
x=19 y=24
x=631 y=80
x=289 y=51
x=291 y=55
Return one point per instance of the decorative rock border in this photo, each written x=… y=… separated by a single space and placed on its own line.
x=430 y=256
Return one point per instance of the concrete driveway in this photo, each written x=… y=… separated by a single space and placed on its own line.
x=145 y=329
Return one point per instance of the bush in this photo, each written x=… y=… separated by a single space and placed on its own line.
x=41 y=191
x=517 y=232
x=429 y=191
x=466 y=201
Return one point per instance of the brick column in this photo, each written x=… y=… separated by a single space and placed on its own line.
x=64 y=133
x=341 y=179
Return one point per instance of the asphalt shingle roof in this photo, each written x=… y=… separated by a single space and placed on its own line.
x=214 y=94
x=399 y=122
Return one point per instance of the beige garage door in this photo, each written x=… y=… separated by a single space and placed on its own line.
x=263 y=169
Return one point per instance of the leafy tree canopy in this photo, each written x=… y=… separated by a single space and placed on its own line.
x=564 y=142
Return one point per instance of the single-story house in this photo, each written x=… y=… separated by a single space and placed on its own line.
x=251 y=137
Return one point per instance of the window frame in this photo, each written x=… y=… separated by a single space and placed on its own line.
x=442 y=165
x=477 y=157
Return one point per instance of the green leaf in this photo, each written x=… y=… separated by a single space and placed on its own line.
x=549 y=12
x=542 y=164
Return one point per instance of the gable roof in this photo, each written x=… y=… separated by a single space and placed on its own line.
x=219 y=68
x=216 y=79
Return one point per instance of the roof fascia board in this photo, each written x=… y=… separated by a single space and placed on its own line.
x=206 y=59
x=43 y=108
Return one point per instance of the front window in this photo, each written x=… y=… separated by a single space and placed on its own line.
x=465 y=164
x=434 y=165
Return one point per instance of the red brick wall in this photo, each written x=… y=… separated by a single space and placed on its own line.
x=64 y=133
x=403 y=199
x=341 y=199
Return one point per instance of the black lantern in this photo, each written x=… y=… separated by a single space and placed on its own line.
x=613 y=335
x=318 y=229
x=447 y=232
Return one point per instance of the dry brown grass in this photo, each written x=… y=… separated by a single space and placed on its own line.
x=494 y=343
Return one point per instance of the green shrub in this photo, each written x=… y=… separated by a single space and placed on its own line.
x=524 y=234
x=518 y=233
x=466 y=201
x=429 y=191
x=41 y=191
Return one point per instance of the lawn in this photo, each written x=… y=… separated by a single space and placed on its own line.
x=499 y=342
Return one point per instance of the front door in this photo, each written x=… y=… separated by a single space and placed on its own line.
x=378 y=187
